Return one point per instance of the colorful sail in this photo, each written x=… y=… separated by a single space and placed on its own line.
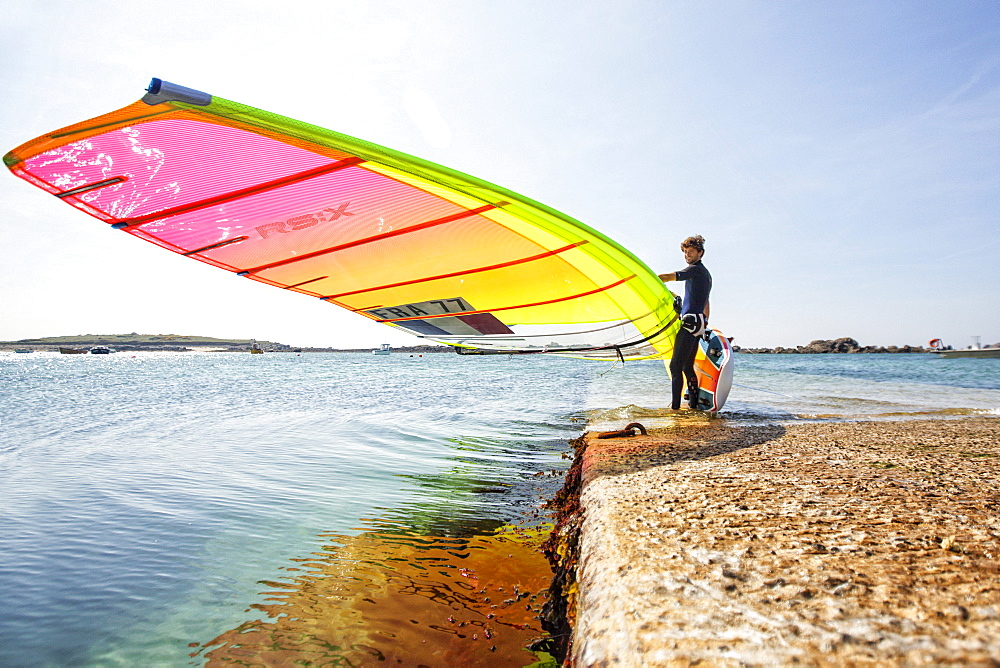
x=393 y=238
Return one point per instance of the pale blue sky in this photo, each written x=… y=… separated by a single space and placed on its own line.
x=842 y=159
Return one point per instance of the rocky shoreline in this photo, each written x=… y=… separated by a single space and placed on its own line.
x=824 y=544
x=36 y=345
x=175 y=343
x=844 y=345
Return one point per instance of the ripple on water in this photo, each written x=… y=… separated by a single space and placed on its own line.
x=145 y=498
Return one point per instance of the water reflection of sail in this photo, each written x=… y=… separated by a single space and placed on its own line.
x=455 y=576
x=389 y=594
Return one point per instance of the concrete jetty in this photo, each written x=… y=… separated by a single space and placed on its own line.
x=819 y=544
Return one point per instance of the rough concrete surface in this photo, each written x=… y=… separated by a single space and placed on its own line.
x=871 y=543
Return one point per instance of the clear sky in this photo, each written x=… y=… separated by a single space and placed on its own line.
x=842 y=158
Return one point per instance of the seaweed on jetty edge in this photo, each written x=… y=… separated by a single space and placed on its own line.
x=563 y=551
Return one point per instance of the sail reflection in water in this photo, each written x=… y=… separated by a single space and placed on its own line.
x=391 y=594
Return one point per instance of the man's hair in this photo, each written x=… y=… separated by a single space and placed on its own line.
x=696 y=242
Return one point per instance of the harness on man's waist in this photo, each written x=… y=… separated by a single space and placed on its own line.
x=694 y=323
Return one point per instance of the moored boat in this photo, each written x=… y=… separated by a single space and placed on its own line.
x=73 y=351
x=968 y=352
x=975 y=350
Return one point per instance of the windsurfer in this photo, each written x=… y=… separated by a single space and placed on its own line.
x=694 y=320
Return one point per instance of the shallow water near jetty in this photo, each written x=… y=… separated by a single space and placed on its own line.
x=207 y=507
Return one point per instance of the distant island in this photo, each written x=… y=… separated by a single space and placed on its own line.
x=135 y=342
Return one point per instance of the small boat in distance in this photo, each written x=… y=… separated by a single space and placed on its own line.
x=975 y=350
x=23 y=350
x=386 y=349
x=101 y=350
x=73 y=351
x=968 y=352
x=255 y=349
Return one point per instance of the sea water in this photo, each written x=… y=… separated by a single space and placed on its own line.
x=152 y=502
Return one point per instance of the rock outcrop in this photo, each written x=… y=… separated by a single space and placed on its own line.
x=823 y=346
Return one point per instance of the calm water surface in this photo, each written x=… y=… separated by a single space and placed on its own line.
x=151 y=502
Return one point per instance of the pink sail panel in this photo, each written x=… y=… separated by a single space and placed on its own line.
x=159 y=170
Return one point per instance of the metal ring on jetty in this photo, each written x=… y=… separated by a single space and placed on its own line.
x=629 y=430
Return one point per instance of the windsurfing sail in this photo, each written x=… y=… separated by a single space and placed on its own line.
x=396 y=239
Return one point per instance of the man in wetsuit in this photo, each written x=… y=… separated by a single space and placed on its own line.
x=694 y=320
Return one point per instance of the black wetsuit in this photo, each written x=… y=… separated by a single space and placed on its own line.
x=697 y=286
